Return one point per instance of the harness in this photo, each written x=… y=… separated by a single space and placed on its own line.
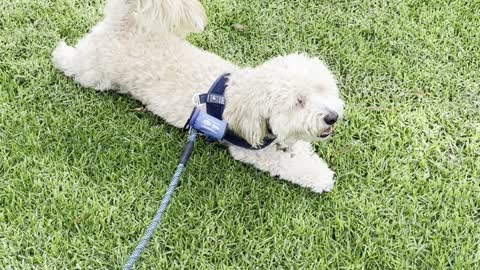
x=211 y=123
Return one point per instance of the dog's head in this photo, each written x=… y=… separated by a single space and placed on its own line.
x=295 y=97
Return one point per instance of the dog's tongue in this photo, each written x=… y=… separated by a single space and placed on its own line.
x=327 y=131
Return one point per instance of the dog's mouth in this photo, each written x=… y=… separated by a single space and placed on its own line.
x=327 y=132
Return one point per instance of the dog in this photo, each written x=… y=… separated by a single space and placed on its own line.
x=139 y=48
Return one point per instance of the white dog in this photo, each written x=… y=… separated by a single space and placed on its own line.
x=139 y=48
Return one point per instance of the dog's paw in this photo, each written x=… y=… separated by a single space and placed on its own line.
x=62 y=57
x=324 y=182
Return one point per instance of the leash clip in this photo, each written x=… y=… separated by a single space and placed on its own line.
x=206 y=124
x=196 y=99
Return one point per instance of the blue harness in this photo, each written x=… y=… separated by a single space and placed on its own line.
x=212 y=124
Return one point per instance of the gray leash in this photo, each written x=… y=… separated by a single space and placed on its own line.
x=186 y=153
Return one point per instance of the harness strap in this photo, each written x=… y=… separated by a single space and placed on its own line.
x=215 y=102
x=240 y=142
x=215 y=98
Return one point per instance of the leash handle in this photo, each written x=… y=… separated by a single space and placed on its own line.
x=186 y=153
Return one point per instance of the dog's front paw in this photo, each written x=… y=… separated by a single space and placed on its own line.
x=323 y=182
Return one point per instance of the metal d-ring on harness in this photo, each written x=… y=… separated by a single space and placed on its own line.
x=209 y=124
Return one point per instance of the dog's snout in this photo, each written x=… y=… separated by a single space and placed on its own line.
x=331 y=118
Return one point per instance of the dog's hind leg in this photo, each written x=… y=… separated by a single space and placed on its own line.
x=80 y=65
x=88 y=62
x=297 y=164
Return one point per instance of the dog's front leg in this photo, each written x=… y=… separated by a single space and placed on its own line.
x=298 y=164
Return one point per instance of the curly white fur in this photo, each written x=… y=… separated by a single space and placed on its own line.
x=139 y=49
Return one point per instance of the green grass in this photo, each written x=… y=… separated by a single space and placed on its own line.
x=82 y=173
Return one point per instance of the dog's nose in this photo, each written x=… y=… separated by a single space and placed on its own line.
x=331 y=118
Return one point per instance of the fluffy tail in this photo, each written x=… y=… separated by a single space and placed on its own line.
x=177 y=16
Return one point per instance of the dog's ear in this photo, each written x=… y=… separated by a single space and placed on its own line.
x=248 y=124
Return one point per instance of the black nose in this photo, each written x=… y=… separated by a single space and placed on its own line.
x=331 y=118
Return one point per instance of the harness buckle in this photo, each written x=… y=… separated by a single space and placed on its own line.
x=196 y=99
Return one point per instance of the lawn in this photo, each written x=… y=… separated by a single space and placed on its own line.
x=82 y=172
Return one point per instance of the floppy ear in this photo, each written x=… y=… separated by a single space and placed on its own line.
x=248 y=124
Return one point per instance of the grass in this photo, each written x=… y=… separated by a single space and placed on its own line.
x=82 y=173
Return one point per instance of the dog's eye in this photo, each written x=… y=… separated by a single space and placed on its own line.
x=301 y=101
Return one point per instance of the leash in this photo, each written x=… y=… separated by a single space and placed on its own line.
x=186 y=153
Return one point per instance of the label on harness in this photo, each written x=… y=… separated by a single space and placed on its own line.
x=207 y=124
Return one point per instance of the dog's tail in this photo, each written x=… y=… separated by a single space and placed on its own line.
x=176 y=16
